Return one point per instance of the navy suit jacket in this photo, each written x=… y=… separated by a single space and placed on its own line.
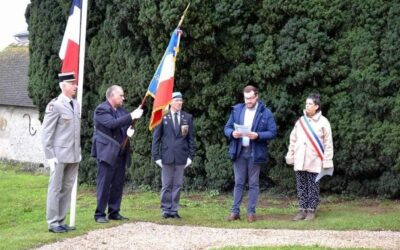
x=263 y=124
x=110 y=131
x=170 y=147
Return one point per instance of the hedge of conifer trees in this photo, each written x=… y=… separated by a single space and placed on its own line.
x=347 y=50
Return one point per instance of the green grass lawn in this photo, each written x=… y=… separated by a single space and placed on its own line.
x=23 y=201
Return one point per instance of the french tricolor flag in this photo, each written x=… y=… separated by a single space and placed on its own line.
x=69 y=51
x=162 y=83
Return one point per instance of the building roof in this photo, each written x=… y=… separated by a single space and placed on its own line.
x=22 y=38
x=14 y=64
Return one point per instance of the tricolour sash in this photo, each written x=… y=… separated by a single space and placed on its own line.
x=314 y=138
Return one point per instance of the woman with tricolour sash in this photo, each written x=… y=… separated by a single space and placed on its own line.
x=310 y=152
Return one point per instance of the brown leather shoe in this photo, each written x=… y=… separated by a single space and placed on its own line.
x=251 y=218
x=233 y=217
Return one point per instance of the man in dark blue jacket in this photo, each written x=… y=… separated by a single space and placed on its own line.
x=173 y=150
x=111 y=123
x=248 y=150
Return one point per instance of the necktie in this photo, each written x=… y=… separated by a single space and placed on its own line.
x=72 y=105
x=176 y=123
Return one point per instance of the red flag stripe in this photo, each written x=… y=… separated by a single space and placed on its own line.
x=161 y=101
x=71 y=60
x=311 y=140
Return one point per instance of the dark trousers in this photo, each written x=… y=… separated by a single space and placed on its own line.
x=307 y=190
x=245 y=170
x=110 y=183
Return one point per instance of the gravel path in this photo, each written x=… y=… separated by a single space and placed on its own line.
x=146 y=235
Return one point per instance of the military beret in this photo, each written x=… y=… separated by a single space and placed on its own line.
x=177 y=95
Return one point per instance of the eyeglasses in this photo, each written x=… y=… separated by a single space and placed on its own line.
x=250 y=97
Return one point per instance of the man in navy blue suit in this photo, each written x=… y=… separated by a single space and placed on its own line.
x=173 y=151
x=112 y=126
x=249 y=149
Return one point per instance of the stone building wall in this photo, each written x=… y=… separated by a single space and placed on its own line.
x=20 y=135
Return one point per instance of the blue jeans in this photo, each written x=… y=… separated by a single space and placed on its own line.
x=244 y=168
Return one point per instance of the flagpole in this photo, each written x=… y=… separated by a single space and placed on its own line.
x=125 y=141
x=183 y=16
x=82 y=43
x=180 y=23
x=82 y=46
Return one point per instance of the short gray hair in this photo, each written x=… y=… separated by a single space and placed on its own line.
x=61 y=85
x=111 y=90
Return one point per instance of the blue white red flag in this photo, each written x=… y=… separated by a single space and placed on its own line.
x=162 y=83
x=69 y=51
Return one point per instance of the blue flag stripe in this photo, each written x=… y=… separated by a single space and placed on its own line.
x=314 y=135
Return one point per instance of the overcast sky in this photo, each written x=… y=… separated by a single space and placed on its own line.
x=12 y=20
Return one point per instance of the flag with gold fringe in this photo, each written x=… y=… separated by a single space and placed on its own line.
x=162 y=83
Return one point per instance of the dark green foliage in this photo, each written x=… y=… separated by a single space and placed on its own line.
x=218 y=168
x=346 y=50
x=46 y=23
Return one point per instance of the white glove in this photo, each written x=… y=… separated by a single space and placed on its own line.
x=130 y=131
x=159 y=163
x=52 y=163
x=80 y=157
x=137 y=113
x=188 y=162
